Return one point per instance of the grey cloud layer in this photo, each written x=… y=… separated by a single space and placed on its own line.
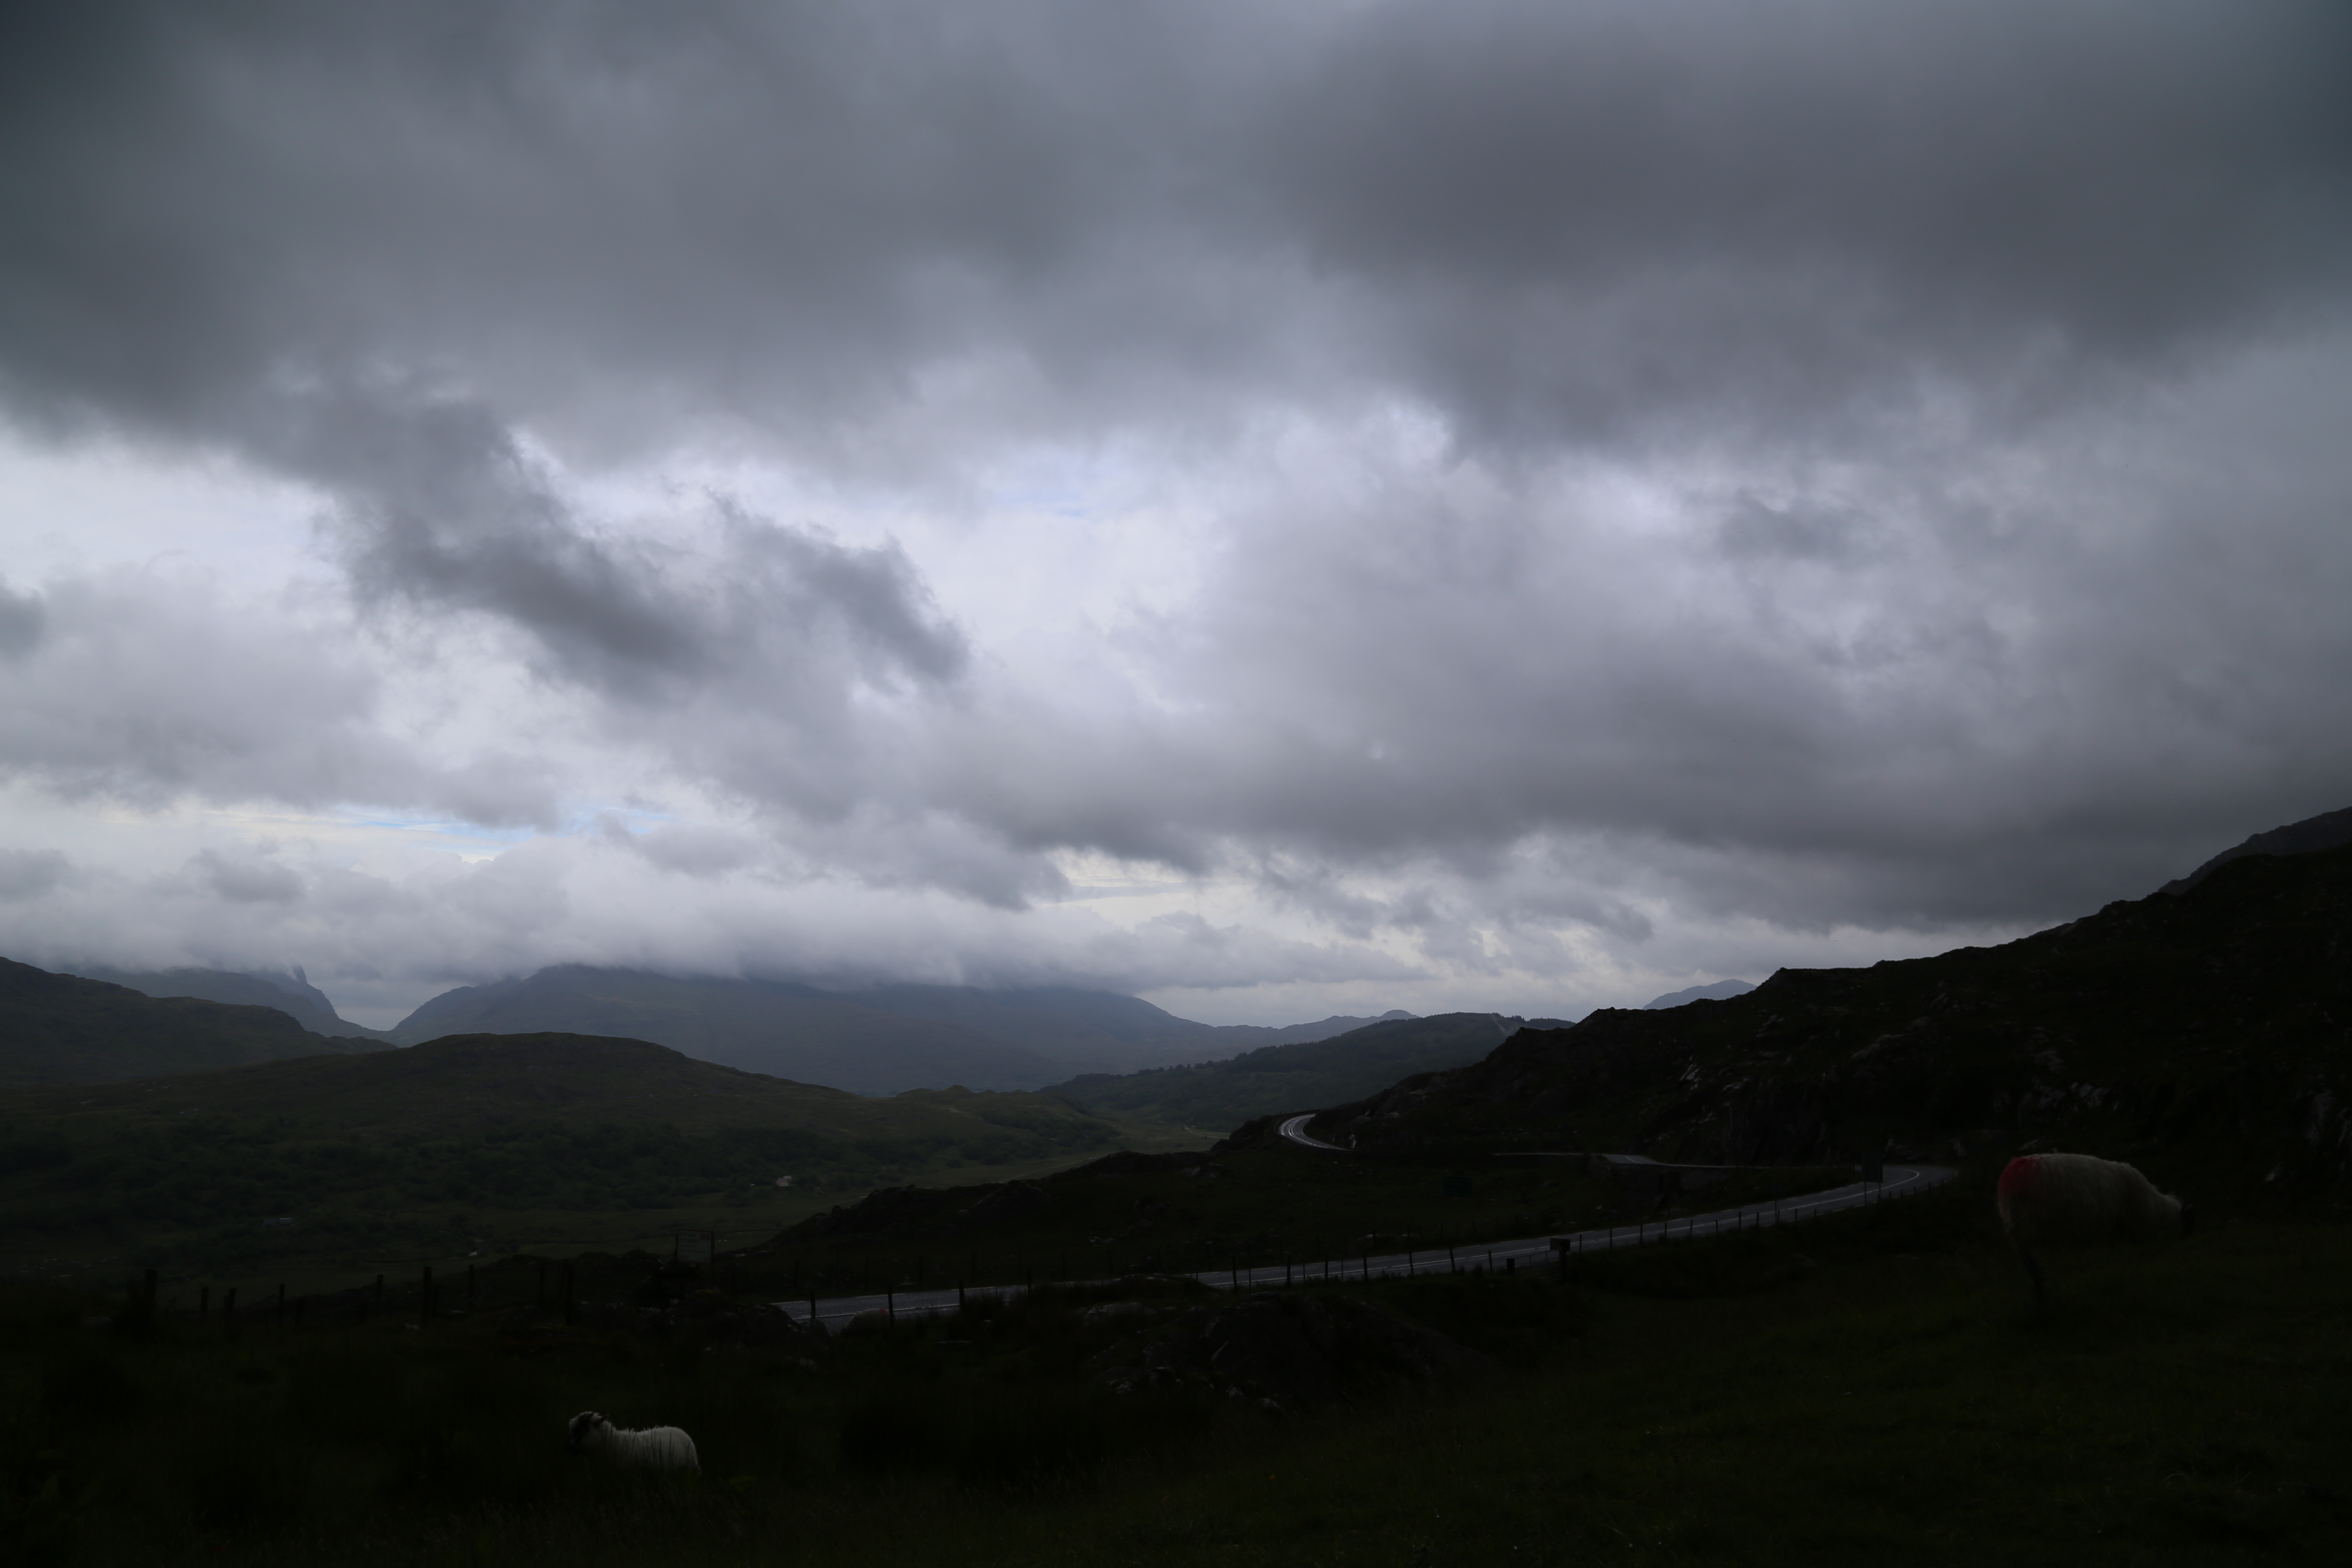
x=1546 y=219
x=1988 y=557
x=146 y=685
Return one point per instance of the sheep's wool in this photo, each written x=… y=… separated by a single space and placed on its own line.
x=652 y=1449
x=2080 y=1197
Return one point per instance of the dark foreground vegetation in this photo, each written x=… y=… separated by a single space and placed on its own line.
x=1868 y=1389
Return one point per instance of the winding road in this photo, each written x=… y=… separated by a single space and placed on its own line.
x=1900 y=1182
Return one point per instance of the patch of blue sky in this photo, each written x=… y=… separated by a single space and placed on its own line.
x=445 y=828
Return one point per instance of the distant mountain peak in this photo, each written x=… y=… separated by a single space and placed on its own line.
x=2328 y=830
x=288 y=990
x=1714 y=991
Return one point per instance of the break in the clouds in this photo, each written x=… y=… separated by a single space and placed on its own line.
x=1482 y=504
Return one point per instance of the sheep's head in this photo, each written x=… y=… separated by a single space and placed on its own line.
x=586 y=1422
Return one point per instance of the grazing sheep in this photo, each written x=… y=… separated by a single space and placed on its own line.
x=652 y=1448
x=2080 y=1197
x=872 y=1321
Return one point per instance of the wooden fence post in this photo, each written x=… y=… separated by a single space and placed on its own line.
x=282 y=1304
x=424 y=1298
x=229 y=1313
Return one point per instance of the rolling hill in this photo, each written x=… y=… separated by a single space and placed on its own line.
x=63 y=1028
x=774 y=1027
x=1221 y=1095
x=879 y=1040
x=455 y=1131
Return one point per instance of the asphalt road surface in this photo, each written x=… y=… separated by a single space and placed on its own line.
x=1498 y=1257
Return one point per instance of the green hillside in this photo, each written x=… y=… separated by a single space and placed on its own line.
x=1219 y=1096
x=61 y=1028
x=2201 y=1035
x=392 y=1150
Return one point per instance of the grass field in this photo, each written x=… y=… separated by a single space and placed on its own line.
x=1866 y=1389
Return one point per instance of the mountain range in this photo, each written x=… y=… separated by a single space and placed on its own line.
x=1719 y=991
x=879 y=1040
x=876 y=1041
x=65 y=1028
x=288 y=990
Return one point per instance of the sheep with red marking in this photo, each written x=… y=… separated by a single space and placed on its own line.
x=650 y=1448
x=2080 y=1199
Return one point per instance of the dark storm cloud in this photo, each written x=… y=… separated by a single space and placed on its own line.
x=441 y=508
x=1551 y=220
x=1585 y=212
x=1892 y=256
x=22 y=619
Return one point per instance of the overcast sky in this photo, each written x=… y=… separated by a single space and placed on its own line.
x=1282 y=507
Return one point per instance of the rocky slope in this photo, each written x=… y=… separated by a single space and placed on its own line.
x=2205 y=1035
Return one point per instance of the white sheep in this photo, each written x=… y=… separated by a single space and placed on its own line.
x=651 y=1448
x=2080 y=1197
